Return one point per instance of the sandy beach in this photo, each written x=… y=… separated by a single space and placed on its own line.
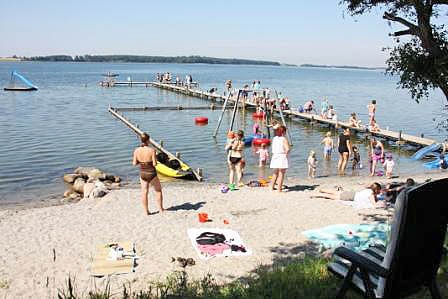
x=41 y=247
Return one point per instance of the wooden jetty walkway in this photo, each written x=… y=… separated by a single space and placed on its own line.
x=159 y=108
x=112 y=83
x=399 y=137
x=116 y=112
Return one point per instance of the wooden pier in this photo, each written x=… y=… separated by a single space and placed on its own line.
x=399 y=137
x=115 y=112
x=113 y=83
x=159 y=108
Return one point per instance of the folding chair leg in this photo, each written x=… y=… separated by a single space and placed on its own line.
x=434 y=289
x=346 y=283
x=370 y=294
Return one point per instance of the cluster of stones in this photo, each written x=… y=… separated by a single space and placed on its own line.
x=89 y=182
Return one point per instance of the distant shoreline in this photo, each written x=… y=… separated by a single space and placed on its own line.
x=148 y=59
x=354 y=67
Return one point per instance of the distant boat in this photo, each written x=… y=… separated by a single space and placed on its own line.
x=25 y=85
x=110 y=75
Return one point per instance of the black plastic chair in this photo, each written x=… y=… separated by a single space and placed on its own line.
x=414 y=252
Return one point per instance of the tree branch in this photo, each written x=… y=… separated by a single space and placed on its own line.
x=391 y=17
x=403 y=32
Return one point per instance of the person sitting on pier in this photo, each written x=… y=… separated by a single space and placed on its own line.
x=354 y=121
x=373 y=126
x=284 y=103
x=145 y=157
x=308 y=106
x=213 y=90
x=330 y=112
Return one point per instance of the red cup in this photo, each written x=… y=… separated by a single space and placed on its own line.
x=203 y=217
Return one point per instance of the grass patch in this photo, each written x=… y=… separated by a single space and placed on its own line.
x=307 y=278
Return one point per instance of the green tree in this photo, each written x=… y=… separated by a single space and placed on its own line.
x=421 y=60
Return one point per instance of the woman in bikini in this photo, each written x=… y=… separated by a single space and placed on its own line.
x=235 y=158
x=345 y=150
x=376 y=154
x=145 y=157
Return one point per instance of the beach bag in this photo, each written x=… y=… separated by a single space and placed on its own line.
x=209 y=238
x=300 y=109
x=174 y=164
x=162 y=157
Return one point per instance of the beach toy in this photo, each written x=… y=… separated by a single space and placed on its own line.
x=224 y=189
x=201 y=120
x=260 y=141
x=258 y=114
x=203 y=217
x=379 y=173
x=226 y=221
x=232 y=187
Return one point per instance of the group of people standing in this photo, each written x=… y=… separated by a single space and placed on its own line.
x=167 y=78
x=279 y=159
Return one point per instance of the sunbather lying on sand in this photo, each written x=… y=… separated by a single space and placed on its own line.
x=364 y=199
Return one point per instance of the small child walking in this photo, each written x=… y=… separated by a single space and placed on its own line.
x=328 y=146
x=356 y=162
x=263 y=155
x=389 y=165
x=312 y=164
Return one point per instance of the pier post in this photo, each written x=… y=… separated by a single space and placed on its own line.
x=161 y=143
x=200 y=172
x=177 y=155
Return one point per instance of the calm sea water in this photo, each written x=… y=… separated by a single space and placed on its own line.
x=65 y=124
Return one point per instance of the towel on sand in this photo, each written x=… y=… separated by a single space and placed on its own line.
x=103 y=265
x=355 y=236
x=232 y=246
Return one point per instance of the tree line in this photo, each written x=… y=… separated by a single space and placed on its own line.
x=148 y=59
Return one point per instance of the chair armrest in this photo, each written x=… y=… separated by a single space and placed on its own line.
x=361 y=261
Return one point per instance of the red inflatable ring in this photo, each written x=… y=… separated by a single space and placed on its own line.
x=260 y=141
x=258 y=114
x=201 y=120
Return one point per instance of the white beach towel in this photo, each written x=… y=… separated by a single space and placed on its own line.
x=232 y=238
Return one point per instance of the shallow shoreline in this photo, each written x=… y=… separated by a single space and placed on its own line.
x=42 y=201
x=270 y=223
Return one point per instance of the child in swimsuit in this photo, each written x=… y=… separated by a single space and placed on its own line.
x=312 y=164
x=328 y=146
x=389 y=165
x=263 y=155
x=356 y=163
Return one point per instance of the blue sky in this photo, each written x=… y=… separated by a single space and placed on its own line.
x=287 y=31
